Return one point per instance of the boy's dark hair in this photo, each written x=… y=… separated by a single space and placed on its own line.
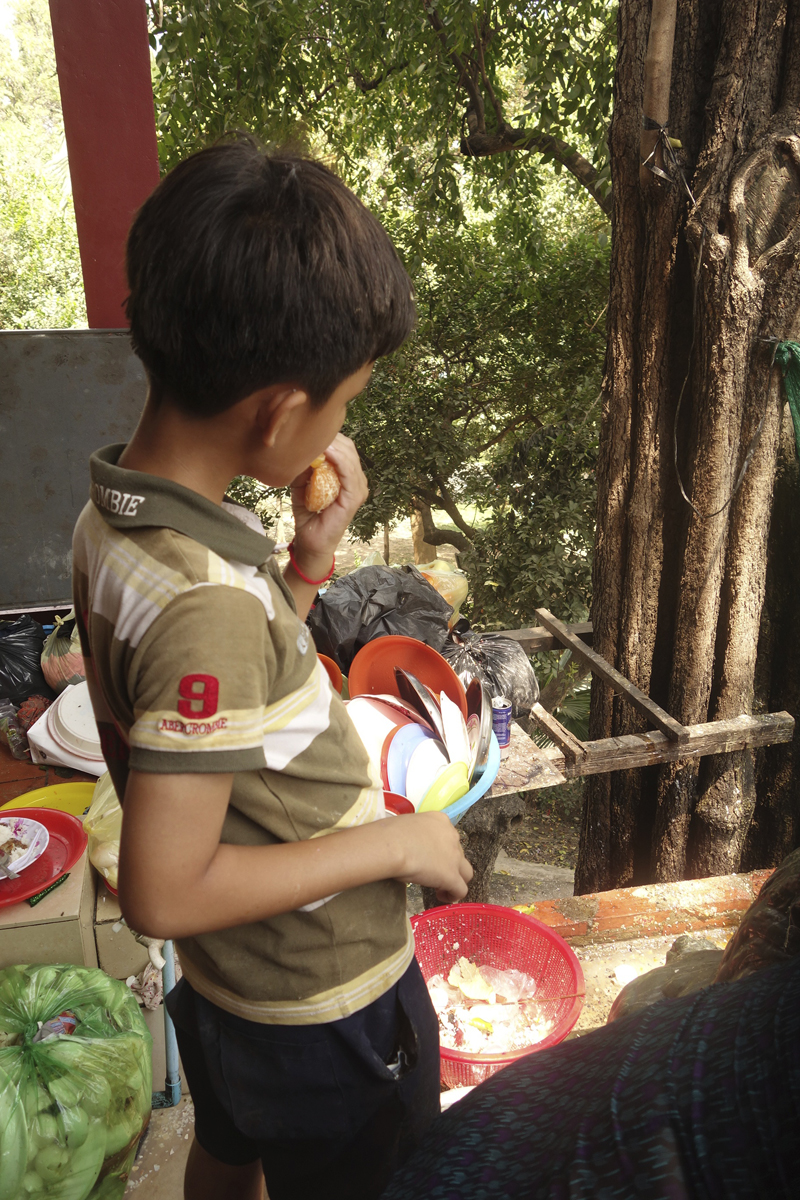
x=249 y=268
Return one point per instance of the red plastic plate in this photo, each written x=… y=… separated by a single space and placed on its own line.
x=67 y=844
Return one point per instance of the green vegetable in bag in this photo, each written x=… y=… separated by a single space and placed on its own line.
x=73 y=1106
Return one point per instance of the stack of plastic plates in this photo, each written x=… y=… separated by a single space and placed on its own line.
x=71 y=723
x=429 y=756
x=66 y=734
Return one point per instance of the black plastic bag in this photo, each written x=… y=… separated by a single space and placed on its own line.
x=21 y=675
x=373 y=602
x=499 y=662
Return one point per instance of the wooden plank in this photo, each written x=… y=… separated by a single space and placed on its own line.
x=525 y=767
x=647 y=749
x=538 y=639
x=572 y=749
x=642 y=703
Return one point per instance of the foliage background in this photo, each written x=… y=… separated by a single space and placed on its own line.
x=489 y=416
x=40 y=276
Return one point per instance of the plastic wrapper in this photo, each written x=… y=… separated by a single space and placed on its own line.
x=499 y=662
x=10 y=731
x=449 y=582
x=62 y=661
x=373 y=559
x=21 y=675
x=373 y=602
x=770 y=929
x=75 y=1083
x=103 y=826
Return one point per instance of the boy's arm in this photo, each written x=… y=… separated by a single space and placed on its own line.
x=176 y=879
x=316 y=535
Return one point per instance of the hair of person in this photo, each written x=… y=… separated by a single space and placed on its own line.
x=249 y=268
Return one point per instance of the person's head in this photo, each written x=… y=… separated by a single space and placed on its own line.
x=249 y=269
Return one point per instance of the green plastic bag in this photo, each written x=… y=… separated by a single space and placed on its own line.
x=73 y=1105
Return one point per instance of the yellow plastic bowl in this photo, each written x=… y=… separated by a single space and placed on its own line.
x=73 y=798
x=451 y=785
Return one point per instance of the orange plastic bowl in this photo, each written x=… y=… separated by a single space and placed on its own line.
x=372 y=669
x=334 y=674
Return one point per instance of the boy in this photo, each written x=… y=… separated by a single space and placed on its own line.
x=262 y=292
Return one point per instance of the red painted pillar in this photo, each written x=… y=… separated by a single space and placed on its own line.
x=103 y=61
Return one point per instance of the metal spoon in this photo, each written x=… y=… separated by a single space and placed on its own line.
x=418 y=696
x=478 y=706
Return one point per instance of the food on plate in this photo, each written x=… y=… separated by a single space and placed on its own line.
x=14 y=847
x=323 y=486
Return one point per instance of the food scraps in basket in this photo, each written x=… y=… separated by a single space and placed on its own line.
x=483 y=1010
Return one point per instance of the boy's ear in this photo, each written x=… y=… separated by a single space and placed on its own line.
x=277 y=408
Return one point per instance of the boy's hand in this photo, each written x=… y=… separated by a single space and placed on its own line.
x=316 y=535
x=433 y=855
x=180 y=880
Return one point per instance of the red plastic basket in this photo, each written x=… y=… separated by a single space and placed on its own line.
x=493 y=936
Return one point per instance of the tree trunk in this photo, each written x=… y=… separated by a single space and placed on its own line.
x=679 y=586
x=775 y=828
x=424 y=552
x=483 y=829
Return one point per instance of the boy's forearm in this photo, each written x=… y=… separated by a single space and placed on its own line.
x=242 y=884
x=176 y=879
x=302 y=591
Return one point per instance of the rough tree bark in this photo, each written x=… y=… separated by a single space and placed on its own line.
x=694 y=287
x=775 y=828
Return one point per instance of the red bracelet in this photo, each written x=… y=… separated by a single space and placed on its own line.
x=305 y=579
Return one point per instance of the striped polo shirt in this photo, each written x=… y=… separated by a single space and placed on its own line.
x=197 y=662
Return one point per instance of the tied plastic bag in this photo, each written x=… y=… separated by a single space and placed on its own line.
x=449 y=582
x=103 y=825
x=372 y=602
x=21 y=675
x=73 y=1105
x=499 y=662
x=62 y=661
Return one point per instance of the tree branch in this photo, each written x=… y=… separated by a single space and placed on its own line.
x=521 y=420
x=465 y=76
x=451 y=508
x=365 y=85
x=481 y=145
x=440 y=537
x=657 y=78
x=496 y=105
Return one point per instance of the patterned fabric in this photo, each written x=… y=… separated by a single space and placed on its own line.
x=698 y=1097
x=197 y=662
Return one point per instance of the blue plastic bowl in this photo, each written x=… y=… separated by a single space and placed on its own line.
x=456 y=811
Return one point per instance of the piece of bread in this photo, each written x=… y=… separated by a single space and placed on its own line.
x=323 y=486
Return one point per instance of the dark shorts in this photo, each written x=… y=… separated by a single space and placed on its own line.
x=331 y=1110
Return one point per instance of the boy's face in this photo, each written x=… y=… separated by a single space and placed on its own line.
x=308 y=431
